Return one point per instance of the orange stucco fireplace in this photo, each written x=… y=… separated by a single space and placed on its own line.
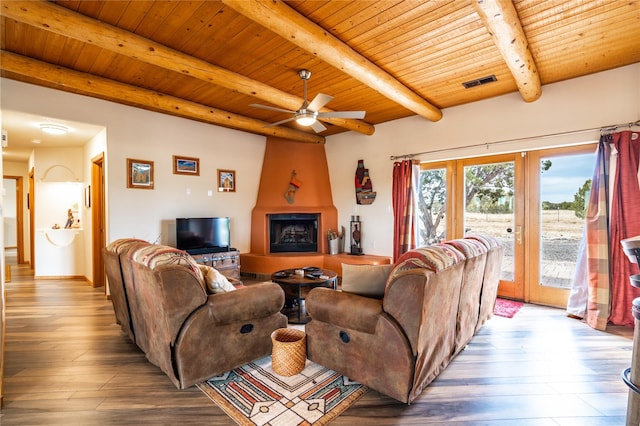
x=282 y=158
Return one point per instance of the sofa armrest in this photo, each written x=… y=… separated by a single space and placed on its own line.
x=227 y=331
x=344 y=309
x=246 y=303
x=350 y=334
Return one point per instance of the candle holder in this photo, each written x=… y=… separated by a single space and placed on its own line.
x=356 y=236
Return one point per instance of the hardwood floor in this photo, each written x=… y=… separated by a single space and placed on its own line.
x=67 y=362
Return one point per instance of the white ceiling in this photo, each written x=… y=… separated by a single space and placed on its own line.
x=23 y=129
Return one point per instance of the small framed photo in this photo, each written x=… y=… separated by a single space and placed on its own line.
x=139 y=174
x=186 y=165
x=226 y=180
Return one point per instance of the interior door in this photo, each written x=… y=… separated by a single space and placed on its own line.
x=97 y=203
x=558 y=185
x=31 y=205
x=492 y=203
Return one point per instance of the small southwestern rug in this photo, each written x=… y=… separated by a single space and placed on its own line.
x=506 y=308
x=254 y=395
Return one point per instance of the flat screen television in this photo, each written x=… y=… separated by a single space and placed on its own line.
x=203 y=234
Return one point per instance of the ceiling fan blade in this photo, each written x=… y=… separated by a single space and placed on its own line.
x=270 y=108
x=318 y=127
x=319 y=101
x=281 y=122
x=342 y=114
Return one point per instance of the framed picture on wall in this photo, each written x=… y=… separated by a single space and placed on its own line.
x=186 y=165
x=139 y=174
x=226 y=180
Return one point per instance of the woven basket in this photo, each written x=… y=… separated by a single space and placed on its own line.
x=289 y=353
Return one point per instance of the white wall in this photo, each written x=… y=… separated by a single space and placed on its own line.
x=58 y=173
x=602 y=99
x=140 y=134
x=58 y=180
x=58 y=252
x=149 y=214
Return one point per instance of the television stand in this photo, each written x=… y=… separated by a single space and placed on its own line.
x=226 y=262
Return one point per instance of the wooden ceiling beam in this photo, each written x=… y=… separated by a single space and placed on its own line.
x=26 y=69
x=62 y=21
x=278 y=17
x=502 y=21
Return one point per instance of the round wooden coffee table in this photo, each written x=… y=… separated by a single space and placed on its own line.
x=293 y=285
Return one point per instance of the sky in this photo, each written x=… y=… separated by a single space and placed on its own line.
x=566 y=175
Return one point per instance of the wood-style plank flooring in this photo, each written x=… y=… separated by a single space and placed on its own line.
x=68 y=363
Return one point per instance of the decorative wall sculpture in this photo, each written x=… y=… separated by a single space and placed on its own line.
x=364 y=186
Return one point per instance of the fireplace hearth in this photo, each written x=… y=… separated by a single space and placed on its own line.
x=293 y=232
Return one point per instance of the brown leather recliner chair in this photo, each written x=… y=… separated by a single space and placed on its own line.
x=191 y=335
x=399 y=344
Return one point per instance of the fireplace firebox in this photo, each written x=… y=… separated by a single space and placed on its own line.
x=293 y=232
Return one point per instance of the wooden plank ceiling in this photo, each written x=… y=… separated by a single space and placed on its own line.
x=209 y=60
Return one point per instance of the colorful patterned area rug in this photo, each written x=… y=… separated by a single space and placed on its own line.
x=254 y=395
x=506 y=308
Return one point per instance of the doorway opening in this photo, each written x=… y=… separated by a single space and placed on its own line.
x=13 y=220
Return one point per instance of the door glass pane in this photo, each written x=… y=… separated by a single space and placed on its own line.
x=489 y=207
x=432 y=202
x=565 y=182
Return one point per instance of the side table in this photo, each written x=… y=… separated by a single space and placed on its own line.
x=293 y=285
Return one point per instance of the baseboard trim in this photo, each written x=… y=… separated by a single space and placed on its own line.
x=60 y=277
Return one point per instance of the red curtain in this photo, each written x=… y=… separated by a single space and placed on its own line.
x=624 y=223
x=404 y=208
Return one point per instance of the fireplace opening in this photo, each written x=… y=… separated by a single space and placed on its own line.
x=293 y=232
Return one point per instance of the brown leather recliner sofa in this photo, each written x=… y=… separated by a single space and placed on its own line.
x=434 y=300
x=121 y=290
x=191 y=334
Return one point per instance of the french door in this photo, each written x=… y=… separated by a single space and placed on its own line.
x=533 y=203
x=558 y=190
x=491 y=202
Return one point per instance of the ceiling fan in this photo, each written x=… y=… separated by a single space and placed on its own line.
x=309 y=113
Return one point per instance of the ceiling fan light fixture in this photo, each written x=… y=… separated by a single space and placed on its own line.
x=54 y=129
x=306 y=118
x=308 y=113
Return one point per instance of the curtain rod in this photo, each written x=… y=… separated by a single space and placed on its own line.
x=487 y=144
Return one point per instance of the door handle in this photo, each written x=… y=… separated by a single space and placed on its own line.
x=518 y=233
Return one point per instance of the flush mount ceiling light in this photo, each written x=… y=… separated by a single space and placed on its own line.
x=54 y=129
x=306 y=117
